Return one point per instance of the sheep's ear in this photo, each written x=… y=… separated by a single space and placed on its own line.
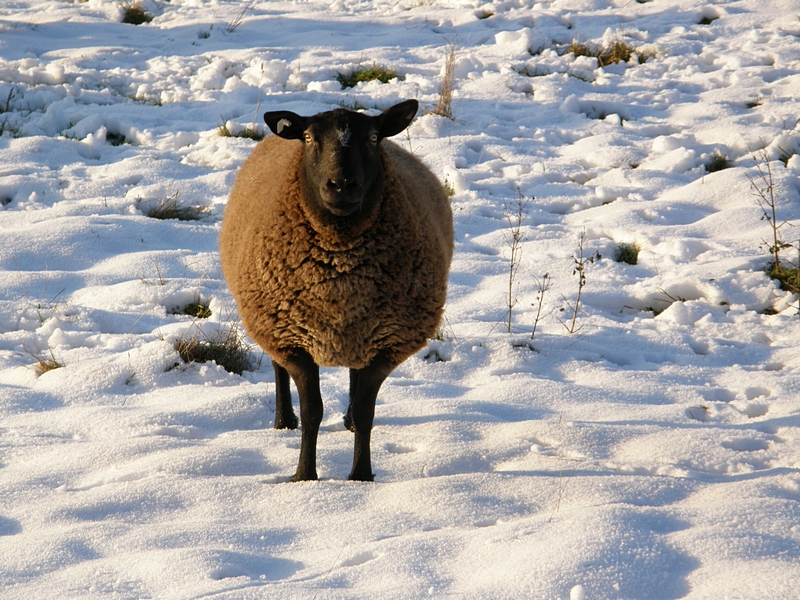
x=285 y=124
x=395 y=119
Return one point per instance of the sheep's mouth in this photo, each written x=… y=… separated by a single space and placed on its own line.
x=343 y=208
x=342 y=204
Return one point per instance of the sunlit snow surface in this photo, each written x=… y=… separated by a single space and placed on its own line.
x=654 y=453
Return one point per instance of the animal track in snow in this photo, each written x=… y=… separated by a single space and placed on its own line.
x=718 y=395
x=754 y=411
x=700 y=348
x=111 y=477
x=751 y=409
x=486 y=523
x=746 y=445
x=187 y=432
x=752 y=393
x=359 y=559
x=400 y=448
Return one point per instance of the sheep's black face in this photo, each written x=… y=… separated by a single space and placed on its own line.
x=341 y=158
x=342 y=161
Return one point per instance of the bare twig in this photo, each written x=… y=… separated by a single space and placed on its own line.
x=581 y=263
x=764 y=189
x=562 y=485
x=515 y=215
x=543 y=285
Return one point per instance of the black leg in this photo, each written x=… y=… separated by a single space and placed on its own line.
x=305 y=373
x=348 y=416
x=284 y=415
x=367 y=382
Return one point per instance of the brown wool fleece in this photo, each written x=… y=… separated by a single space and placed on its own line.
x=343 y=289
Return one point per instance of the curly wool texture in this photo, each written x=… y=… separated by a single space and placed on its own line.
x=343 y=289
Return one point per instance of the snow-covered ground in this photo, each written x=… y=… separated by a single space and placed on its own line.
x=653 y=453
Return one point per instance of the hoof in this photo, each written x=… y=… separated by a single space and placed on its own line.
x=287 y=422
x=298 y=477
x=358 y=477
x=348 y=420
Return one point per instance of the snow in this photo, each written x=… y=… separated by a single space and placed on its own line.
x=654 y=453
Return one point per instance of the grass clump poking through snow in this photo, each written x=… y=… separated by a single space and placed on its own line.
x=627 y=253
x=237 y=20
x=362 y=73
x=197 y=310
x=718 y=162
x=116 y=139
x=134 y=14
x=249 y=133
x=226 y=347
x=171 y=207
x=787 y=274
x=448 y=188
x=44 y=364
x=617 y=51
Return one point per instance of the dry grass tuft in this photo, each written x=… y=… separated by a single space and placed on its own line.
x=226 y=347
x=617 y=51
x=44 y=364
x=362 y=73
x=627 y=253
x=718 y=162
x=786 y=274
x=134 y=14
x=171 y=207
x=445 y=106
x=198 y=310
x=250 y=133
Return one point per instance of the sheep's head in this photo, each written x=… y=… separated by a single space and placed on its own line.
x=341 y=157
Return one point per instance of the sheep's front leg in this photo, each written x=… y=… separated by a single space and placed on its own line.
x=284 y=415
x=305 y=373
x=364 y=386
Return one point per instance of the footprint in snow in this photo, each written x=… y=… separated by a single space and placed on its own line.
x=752 y=393
x=486 y=523
x=755 y=410
x=400 y=448
x=718 y=395
x=359 y=559
x=746 y=445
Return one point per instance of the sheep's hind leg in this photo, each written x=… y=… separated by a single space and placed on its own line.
x=284 y=414
x=364 y=385
x=305 y=373
x=348 y=416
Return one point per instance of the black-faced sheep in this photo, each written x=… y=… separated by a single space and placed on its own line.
x=336 y=245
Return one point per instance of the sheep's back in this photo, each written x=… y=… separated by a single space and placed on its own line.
x=427 y=198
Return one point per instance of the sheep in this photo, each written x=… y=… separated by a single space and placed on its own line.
x=336 y=246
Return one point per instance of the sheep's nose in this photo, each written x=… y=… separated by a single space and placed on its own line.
x=341 y=185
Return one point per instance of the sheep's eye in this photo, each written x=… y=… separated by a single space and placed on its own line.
x=373 y=138
x=307 y=137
